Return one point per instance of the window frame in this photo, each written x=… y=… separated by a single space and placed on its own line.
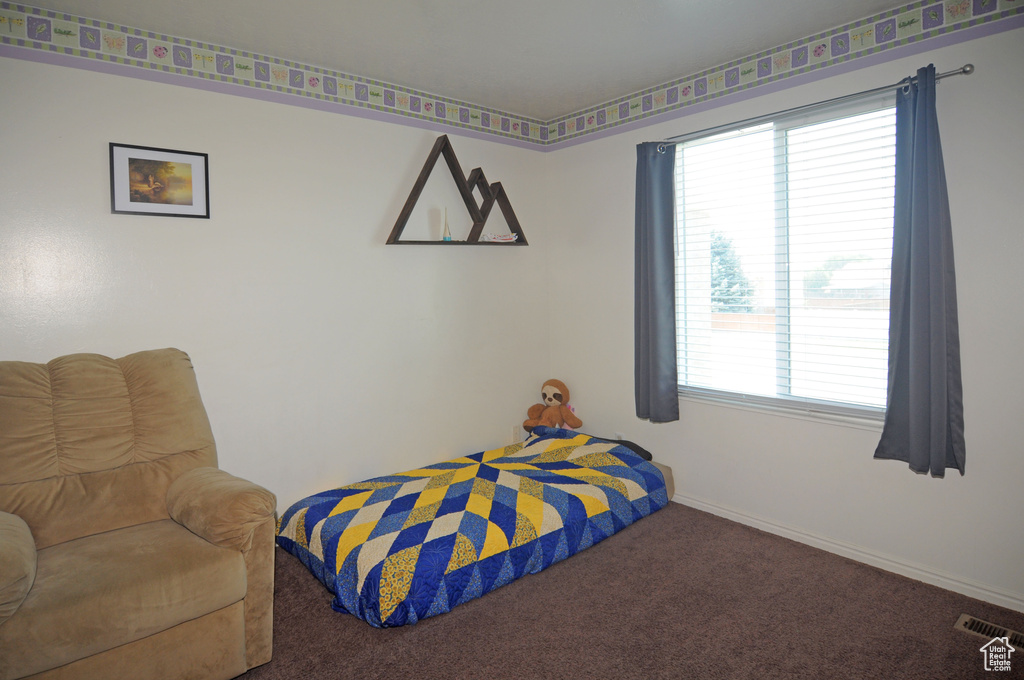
x=786 y=404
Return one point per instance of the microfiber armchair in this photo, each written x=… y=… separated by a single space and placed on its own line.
x=124 y=551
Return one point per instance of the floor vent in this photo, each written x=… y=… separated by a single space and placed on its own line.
x=984 y=629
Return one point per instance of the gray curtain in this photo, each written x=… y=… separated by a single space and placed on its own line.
x=924 y=423
x=657 y=397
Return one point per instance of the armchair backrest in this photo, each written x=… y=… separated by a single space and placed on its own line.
x=89 y=444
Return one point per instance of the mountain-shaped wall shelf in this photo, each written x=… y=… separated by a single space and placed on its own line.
x=490 y=193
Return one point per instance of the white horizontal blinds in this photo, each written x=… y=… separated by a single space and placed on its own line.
x=841 y=176
x=783 y=256
x=725 y=262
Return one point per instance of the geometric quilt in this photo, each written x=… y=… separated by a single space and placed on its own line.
x=404 y=547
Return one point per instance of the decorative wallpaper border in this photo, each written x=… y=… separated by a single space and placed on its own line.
x=136 y=51
x=894 y=28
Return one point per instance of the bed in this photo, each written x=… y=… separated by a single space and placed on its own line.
x=400 y=548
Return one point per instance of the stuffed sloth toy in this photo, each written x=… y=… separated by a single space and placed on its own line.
x=555 y=411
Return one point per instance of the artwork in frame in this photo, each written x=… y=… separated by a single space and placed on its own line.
x=150 y=181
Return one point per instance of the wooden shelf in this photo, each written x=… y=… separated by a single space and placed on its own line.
x=491 y=193
x=458 y=243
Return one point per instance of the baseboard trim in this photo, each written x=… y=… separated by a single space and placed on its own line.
x=917 y=572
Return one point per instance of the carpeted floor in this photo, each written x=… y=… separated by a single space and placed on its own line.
x=680 y=594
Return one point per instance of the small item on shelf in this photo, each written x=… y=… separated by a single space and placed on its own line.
x=447 y=234
x=500 y=238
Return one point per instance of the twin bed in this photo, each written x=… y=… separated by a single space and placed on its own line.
x=400 y=548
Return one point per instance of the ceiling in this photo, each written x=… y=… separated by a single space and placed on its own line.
x=540 y=59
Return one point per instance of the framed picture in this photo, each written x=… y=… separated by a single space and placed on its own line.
x=149 y=181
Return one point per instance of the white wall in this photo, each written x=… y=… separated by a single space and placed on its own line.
x=814 y=480
x=323 y=356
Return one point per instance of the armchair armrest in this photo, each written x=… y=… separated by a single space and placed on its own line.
x=17 y=563
x=234 y=513
x=222 y=508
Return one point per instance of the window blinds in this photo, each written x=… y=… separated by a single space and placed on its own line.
x=783 y=253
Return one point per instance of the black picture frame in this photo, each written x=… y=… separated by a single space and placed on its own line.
x=147 y=180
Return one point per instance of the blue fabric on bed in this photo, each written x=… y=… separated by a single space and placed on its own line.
x=399 y=548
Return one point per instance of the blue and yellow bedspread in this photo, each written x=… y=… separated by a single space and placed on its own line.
x=400 y=548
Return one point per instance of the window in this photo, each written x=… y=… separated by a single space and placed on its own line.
x=783 y=256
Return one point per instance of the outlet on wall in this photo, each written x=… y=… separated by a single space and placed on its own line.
x=620 y=436
x=517 y=434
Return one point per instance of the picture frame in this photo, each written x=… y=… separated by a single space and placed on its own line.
x=147 y=180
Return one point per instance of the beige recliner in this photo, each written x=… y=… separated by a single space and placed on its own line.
x=124 y=551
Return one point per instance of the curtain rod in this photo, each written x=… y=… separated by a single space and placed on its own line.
x=966 y=70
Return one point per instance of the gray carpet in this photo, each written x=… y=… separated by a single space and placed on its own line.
x=680 y=594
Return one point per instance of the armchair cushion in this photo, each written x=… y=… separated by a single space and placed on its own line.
x=17 y=563
x=99 y=592
x=222 y=508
